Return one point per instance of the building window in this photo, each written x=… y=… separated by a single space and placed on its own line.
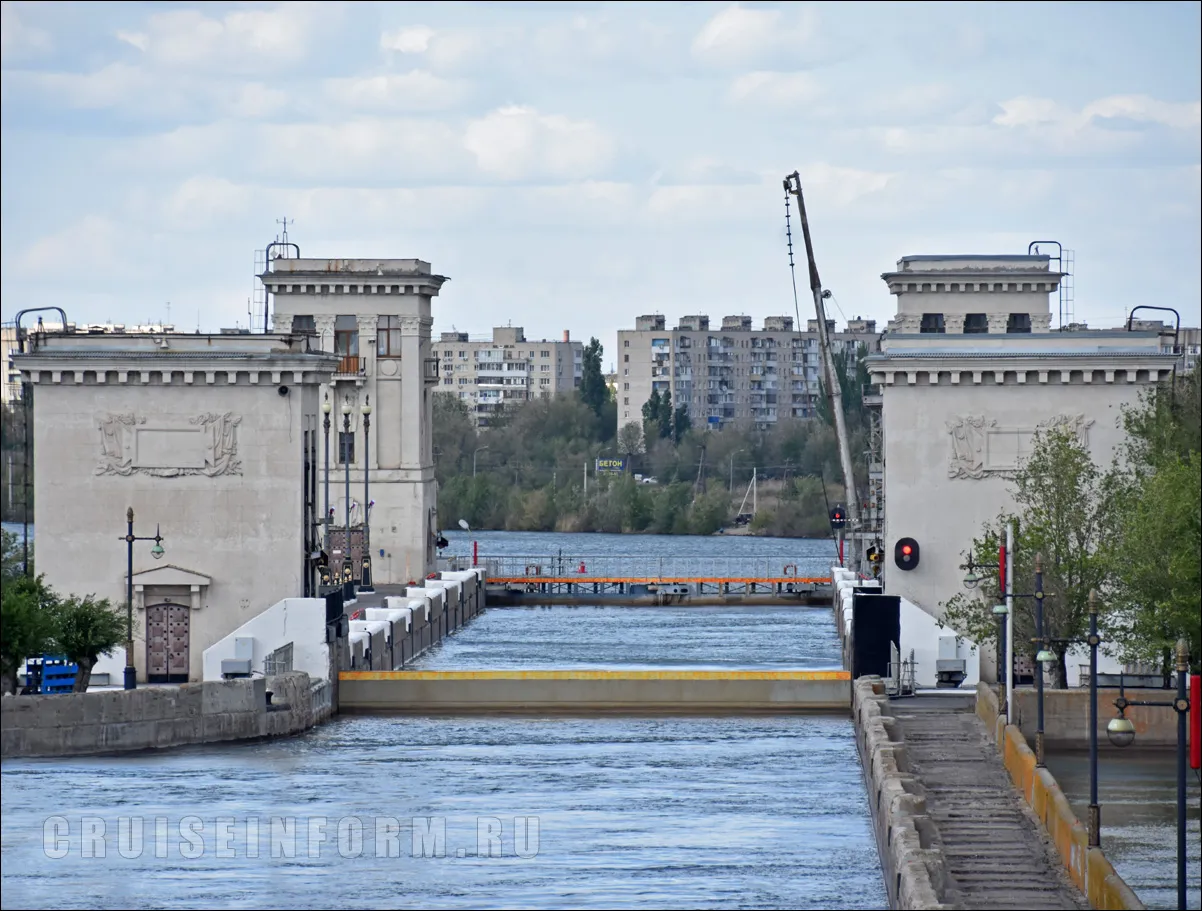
x=388 y=336
x=625 y=387
x=976 y=324
x=1019 y=322
x=626 y=401
x=346 y=447
x=545 y=381
x=626 y=358
x=303 y=325
x=932 y=324
x=346 y=336
x=544 y=354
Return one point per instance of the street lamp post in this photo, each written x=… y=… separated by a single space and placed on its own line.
x=731 y=485
x=131 y=673
x=1041 y=658
x=1003 y=613
x=476 y=450
x=1094 y=640
x=345 y=446
x=365 y=575
x=1121 y=732
x=325 y=569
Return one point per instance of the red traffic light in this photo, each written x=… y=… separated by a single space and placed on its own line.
x=905 y=553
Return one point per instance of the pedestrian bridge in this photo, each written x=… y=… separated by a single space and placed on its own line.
x=640 y=579
x=574 y=691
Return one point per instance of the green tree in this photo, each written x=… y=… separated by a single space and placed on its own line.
x=86 y=628
x=27 y=625
x=454 y=436
x=651 y=418
x=630 y=439
x=12 y=556
x=681 y=423
x=593 y=390
x=1063 y=511
x=1154 y=562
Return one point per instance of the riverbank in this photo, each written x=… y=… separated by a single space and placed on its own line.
x=154 y=717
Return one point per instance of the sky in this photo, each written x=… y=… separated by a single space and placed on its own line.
x=575 y=165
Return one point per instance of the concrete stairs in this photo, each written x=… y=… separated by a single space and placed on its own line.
x=996 y=854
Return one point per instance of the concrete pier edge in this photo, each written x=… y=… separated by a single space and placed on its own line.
x=907 y=840
x=1089 y=867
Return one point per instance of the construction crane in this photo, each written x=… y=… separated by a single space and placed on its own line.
x=834 y=389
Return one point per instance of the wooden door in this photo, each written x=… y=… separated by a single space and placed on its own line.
x=167 y=643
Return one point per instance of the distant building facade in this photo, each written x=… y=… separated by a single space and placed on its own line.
x=732 y=373
x=211 y=440
x=969 y=371
x=375 y=316
x=491 y=374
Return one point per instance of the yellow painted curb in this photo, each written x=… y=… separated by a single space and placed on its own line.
x=595 y=675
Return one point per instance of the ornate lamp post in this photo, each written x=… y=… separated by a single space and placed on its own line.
x=1042 y=657
x=1121 y=732
x=365 y=576
x=345 y=446
x=1094 y=640
x=326 y=408
x=131 y=673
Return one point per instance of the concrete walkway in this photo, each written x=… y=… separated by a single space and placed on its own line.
x=996 y=853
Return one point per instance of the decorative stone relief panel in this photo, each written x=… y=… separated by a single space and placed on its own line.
x=204 y=445
x=980 y=448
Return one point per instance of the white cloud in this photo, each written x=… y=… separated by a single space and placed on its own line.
x=17 y=38
x=140 y=40
x=240 y=40
x=738 y=35
x=415 y=40
x=774 y=89
x=518 y=142
x=90 y=242
x=1178 y=115
x=414 y=91
x=200 y=201
x=111 y=86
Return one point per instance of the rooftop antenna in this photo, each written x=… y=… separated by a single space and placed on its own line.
x=285 y=244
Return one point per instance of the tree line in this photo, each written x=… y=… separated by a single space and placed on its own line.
x=529 y=469
x=1130 y=531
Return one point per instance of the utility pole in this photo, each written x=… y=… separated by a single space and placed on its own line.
x=834 y=390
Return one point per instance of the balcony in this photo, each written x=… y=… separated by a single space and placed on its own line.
x=430 y=371
x=351 y=366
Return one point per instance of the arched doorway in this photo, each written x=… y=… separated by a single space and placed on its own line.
x=167 y=634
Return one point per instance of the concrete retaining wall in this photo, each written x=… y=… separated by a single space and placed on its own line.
x=907 y=839
x=1088 y=867
x=161 y=716
x=524 y=691
x=1066 y=717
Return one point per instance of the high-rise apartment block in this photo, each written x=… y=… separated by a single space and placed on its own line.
x=732 y=374
x=490 y=374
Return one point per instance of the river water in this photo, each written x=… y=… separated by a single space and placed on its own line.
x=760 y=812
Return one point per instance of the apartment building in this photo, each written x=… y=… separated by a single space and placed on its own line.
x=490 y=374
x=729 y=374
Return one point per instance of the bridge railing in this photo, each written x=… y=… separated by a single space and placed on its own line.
x=586 y=567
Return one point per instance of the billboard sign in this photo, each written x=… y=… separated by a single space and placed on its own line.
x=615 y=466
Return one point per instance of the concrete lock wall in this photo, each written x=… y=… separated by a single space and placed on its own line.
x=120 y=720
x=1089 y=868
x=419 y=691
x=1066 y=717
x=913 y=866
